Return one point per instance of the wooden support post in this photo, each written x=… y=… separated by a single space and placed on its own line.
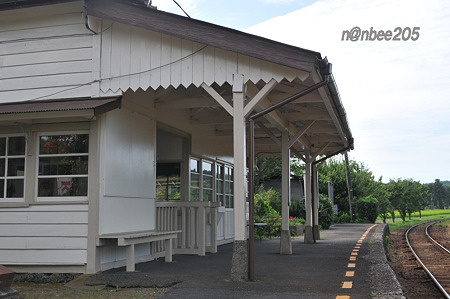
x=201 y=223
x=213 y=212
x=168 y=250
x=315 y=177
x=308 y=205
x=239 y=263
x=130 y=258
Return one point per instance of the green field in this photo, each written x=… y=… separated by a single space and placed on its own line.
x=426 y=215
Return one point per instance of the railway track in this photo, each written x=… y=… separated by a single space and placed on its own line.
x=432 y=257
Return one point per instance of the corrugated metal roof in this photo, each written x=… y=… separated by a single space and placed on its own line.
x=99 y=105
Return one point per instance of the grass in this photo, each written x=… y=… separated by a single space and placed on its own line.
x=426 y=215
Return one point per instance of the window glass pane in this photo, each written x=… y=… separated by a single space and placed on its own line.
x=195 y=194
x=220 y=199
x=64 y=144
x=2 y=167
x=228 y=175
x=219 y=171
x=2 y=188
x=2 y=146
x=161 y=193
x=195 y=182
x=174 y=193
x=207 y=182
x=207 y=195
x=16 y=166
x=63 y=165
x=14 y=188
x=219 y=186
x=207 y=168
x=16 y=146
x=195 y=165
x=230 y=203
x=62 y=186
x=228 y=187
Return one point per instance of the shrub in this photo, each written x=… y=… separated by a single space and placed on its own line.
x=297 y=209
x=326 y=213
x=343 y=218
x=367 y=208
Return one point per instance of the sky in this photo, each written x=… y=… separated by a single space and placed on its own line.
x=396 y=92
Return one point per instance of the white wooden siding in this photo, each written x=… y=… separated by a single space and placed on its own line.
x=44 y=51
x=138 y=58
x=44 y=234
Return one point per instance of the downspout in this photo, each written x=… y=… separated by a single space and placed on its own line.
x=326 y=70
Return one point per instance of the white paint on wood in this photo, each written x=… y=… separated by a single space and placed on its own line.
x=47 y=69
x=49 y=208
x=197 y=61
x=175 y=66
x=43 y=217
x=43 y=243
x=49 y=257
x=155 y=60
x=174 y=62
x=44 y=230
x=128 y=154
x=45 y=52
x=33 y=46
x=166 y=44
x=186 y=64
x=122 y=214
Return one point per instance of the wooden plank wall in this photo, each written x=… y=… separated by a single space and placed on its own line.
x=44 y=50
x=44 y=235
x=135 y=58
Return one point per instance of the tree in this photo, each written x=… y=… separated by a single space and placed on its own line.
x=384 y=205
x=438 y=194
x=407 y=196
x=333 y=170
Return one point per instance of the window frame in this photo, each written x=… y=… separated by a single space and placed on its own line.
x=4 y=199
x=43 y=199
x=216 y=196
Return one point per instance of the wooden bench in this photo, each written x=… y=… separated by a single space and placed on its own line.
x=132 y=238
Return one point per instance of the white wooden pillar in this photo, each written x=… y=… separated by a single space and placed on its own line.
x=285 y=239
x=239 y=266
x=315 y=177
x=308 y=206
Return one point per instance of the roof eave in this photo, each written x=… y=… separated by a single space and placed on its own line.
x=128 y=12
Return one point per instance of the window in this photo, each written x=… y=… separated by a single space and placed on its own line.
x=168 y=181
x=229 y=201
x=211 y=182
x=63 y=165
x=207 y=179
x=12 y=167
x=195 y=179
x=220 y=184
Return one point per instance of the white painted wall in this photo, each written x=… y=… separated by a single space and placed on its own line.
x=127 y=172
x=131 y=50
x=44 y=235
x=44 y=50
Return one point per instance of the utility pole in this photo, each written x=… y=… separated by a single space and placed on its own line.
x=350 y=189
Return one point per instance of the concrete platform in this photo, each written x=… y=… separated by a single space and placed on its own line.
x=348 y=261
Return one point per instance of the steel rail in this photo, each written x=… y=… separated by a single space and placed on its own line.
x=434 y=241
x=436 y=282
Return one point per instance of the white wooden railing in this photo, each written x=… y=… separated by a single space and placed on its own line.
x=197 y=222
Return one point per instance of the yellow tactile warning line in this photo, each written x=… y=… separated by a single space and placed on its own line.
x=353 y=255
